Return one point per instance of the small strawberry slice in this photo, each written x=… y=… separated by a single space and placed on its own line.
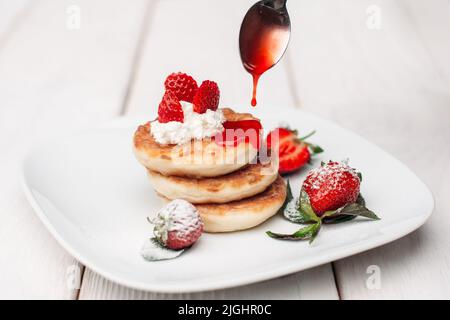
x=293 y=152
x=182 y=85
x=207 y=97
x=170 y=109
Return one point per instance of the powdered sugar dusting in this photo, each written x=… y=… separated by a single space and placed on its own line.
x=195 y=126
x=179 y=216
x=331 y=186
x=331 y=173
x=291 y=210
x=154 y=251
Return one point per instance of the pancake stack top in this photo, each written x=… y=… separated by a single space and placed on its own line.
x=188 y=155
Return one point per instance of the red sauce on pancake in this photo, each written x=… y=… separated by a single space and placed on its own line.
x=239 y=131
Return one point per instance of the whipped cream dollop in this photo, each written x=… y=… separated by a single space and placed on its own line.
x=195 y=126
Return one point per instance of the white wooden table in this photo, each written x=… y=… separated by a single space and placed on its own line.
x=389 y=82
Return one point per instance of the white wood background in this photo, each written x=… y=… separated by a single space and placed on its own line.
x=390 y=85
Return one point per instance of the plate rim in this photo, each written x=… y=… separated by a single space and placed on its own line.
x=293 y=267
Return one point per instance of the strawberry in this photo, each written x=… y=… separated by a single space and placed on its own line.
x=182 y=85
x=330 y=195
x=283 y=135
x=170 y=109
x=177 y=225
x=293 y=152
x=331 y=186
x=207 y=97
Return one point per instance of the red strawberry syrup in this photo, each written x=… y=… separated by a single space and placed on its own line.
x=263 y=40
x=236 y=132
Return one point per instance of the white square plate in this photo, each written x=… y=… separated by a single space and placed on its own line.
x=94 y=197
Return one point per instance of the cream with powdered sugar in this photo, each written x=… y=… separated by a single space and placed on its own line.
x=195 y=126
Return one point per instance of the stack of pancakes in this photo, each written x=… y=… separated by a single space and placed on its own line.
x=231 y=189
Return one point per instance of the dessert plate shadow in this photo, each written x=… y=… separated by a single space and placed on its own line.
x=94 y=198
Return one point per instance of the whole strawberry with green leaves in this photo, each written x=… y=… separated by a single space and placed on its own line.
x=330 y=194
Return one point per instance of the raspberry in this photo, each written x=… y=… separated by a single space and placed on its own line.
x=170 y=109
x=182 y=85
x=207 y=97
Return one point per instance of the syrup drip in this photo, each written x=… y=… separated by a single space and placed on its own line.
x=263 y=40
x=255 y=88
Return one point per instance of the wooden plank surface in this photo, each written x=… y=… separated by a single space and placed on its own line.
x=205 y=46
x=54 y=80
x=390 y=85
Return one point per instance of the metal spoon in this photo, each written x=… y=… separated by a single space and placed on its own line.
x=264 y=37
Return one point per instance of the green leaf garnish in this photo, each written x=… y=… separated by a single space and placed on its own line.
x=306 y=233
x=305 y=209
x=337 y=219
x=357 y=209
x=349 y=212
x=289 y=195
x=300 y=210
x=360 y=200
x=289 y=198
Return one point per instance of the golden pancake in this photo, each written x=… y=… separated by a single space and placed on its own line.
x=246 y=213
x=197 y=158
x=243 y=183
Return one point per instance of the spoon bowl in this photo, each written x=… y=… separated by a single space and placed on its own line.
x=264 y=38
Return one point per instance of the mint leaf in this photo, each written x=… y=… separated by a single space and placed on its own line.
x=315 y=231
x=289 y=198
x=291 y=212
x=360 y=200
x=306 y=233
x=289 y=195
x=300 y=210
x=337 y=219
x=349 y=212
x=355 y=209
x=358 y=209
x=305 y=209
